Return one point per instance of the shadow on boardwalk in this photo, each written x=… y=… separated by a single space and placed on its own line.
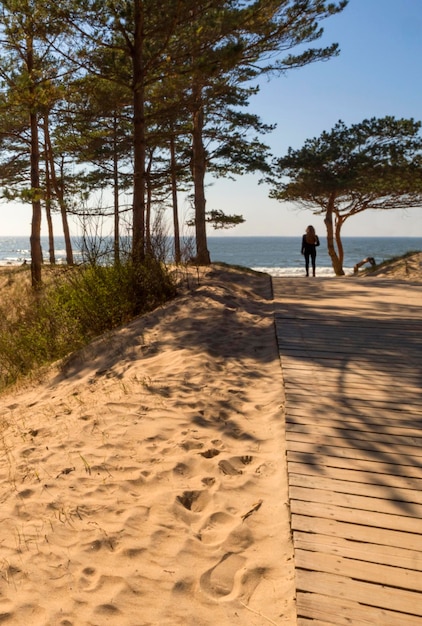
x=350 y=353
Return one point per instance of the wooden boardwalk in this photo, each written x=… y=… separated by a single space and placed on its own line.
x=351 y=355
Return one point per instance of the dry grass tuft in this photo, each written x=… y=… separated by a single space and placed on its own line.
x=75 y=305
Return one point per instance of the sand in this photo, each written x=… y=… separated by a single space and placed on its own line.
x=143 y=482
x=408 y=268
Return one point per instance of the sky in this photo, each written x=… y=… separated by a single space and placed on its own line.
x=378 y=72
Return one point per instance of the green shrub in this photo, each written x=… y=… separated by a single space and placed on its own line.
x=75 y=306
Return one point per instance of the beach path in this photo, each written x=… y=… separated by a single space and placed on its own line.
x=143 y=480
x=350 y=352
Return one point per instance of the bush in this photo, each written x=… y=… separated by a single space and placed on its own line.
x=74 y=306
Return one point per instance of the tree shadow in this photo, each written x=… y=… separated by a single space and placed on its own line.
x=353 y=377
x=227 y=320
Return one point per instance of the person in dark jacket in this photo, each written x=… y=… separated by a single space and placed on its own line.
x=310 y=241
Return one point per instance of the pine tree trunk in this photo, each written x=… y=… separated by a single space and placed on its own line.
x=148 y=208
x=338 y=224
x=58 y=190
x=139 y=185
x=35 y=240
x=116 y=241
x=199 y=169
x=176 y=230
x=328 y=220
x=51 y=250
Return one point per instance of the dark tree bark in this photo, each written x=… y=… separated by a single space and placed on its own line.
x=176 y=229
x=51 y=251
x=329 y=224
x=58 y=190
x=35 y=239
x=116 y=234
x=139 y=178
x=199 y=170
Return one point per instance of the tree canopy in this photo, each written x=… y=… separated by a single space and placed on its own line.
x=373 y=165
x=140 y=97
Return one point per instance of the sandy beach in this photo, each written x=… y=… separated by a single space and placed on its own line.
x=143 y=482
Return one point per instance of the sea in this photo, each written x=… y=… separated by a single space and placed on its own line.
x=277 y=256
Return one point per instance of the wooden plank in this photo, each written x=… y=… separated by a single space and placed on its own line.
x=393 y=508
x=410 y=525
x=370 y=594
x=327 y=378
x=304 y=392
x=402 y=400
x=331 y=378
x=359 y=433
x=349 y=362
x=331 y=370
x=288 y=344
x=382 y=456
x=363 y=340
x=320 y=350
x=394 y=577
x=402 y=375
x=331 y=445
x=362 y=533
x=352 y=362
x=360 y=550
x=341 y=612
x=368 y=490
x=357 y=404
x=362 y=344
x=294 y=371
x=360 y=477
x=393 y=424
x=354 y=450
x=322 y=464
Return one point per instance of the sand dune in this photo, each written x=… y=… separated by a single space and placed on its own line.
x=144 y=482
x=404 y=268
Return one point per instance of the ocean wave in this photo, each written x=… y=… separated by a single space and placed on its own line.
x=284 y=272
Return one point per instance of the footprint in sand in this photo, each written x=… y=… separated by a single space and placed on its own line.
x=210 y=453
x=87 y=579
x=215 y=528
x=181 y=469
x=219 y=581
x=194 y=501
x=235 y=465
x=228 y=468
x=106 y=610
x=224 y=529
x=208 y=481
x=191 y=444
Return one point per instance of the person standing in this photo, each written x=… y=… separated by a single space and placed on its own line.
x=310 y=241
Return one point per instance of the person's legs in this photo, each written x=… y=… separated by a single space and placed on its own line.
x=307 y=263
x=313 y=257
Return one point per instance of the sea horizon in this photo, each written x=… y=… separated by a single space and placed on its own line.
x=273 y=254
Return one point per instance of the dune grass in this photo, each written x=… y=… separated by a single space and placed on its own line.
x=74 y=305
x=389 y=264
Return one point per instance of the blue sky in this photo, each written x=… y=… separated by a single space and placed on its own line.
x=378 y=73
